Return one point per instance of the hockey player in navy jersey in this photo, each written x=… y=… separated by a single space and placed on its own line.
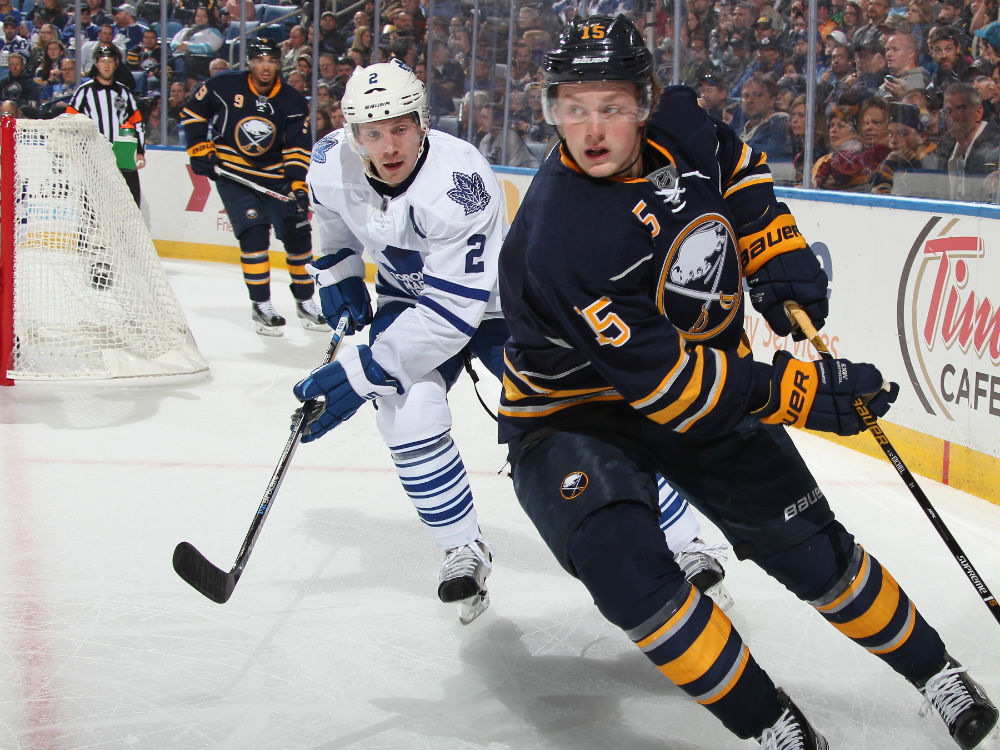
x=251 y=125
x=622 y=281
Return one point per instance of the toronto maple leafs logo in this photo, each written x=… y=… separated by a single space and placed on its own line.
x=469 y=192
x=323 y=145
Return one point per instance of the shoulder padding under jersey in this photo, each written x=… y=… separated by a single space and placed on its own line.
x=688 y=128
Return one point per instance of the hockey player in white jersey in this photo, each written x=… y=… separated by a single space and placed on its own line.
x=429 y=210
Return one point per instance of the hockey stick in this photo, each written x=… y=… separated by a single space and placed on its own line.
x=254 y=186
x=801 y=320
x=193 y=566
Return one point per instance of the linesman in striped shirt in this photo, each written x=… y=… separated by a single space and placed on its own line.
x=111 y=106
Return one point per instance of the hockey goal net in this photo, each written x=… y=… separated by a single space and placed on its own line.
x=83 y=293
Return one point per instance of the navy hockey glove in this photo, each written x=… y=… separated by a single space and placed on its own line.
x=345 y=384
x=348 y=295
x=794 y=276
x=300 y=194
x=820 y=395
x=203 y=159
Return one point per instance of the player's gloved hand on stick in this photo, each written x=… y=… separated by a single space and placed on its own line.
x=820 y=395
x=345 y=384
x=794 y=276
x=301 y=200
x=336 y=297
x=203 y=159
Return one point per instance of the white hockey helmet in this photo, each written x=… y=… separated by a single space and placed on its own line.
x=380 y=92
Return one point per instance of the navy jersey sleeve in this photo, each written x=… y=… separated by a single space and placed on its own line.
x=297 y=140
x=198 y=113
x=764 y=226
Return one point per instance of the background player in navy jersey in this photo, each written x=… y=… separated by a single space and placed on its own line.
x=622 y=280
x=252 y=125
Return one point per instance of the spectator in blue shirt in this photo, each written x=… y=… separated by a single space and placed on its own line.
x=88 y=30
x=126 y=26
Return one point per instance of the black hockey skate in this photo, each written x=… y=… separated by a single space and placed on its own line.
x=967 y=711
x=791 y=731
x=266 y=320
x=310 y=315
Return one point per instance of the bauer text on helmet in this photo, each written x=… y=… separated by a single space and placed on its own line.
x=599 y=49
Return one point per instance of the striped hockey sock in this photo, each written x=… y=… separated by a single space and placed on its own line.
x=434 y=478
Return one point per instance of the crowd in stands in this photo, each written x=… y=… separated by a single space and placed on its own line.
x=906 y=97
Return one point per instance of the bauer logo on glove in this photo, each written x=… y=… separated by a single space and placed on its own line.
x=820 y=395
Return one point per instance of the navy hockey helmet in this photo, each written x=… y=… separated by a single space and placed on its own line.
x=599 y=48
x=263 y=46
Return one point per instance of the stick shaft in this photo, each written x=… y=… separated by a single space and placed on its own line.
x=254 y=186
x=802 y=321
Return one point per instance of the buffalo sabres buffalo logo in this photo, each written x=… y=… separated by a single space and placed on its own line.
x=254 y=136
x=469 y=192
x=573 y=485
x=700 y=285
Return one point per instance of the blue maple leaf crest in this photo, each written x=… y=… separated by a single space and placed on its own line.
x=323 y=145
x=469 y=192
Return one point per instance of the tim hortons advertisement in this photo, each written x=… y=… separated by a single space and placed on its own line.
x=912 y=292
x=949 y=326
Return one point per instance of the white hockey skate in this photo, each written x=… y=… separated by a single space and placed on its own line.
x=266 y=320
x=311 y=316
x=967 y=711
x=702 y=566
x=791 y=731
x=462 y=579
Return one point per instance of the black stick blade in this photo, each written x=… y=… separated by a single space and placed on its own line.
x=195 y=568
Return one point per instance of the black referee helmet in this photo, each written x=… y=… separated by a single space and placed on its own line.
x=107 y=50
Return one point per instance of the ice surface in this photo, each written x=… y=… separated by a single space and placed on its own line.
x=334 y=637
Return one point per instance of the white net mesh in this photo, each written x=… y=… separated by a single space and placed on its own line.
x=91 y=299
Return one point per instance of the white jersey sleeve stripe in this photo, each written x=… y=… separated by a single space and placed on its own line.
x=449 y=316
x=449 y=287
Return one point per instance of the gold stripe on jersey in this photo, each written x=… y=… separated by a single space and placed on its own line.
x=715 y=392
x=692 y=389
x=742 y=163
x=191 y=117
x=536 y=390
x=547 y=408
x=668 y=381
x=753 y=179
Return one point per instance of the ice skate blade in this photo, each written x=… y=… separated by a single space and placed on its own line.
x=469 y=609
x=311 y=326
x=264 y=330
x=721 y=596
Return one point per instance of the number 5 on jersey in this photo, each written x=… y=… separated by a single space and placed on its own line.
x=606 y=323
